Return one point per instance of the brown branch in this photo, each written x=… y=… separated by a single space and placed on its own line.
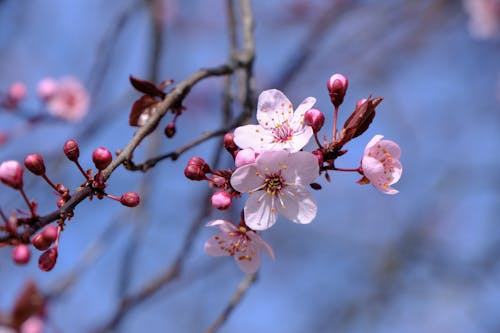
x=243 y=287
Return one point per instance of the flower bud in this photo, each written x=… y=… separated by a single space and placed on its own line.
x=194 y=172
x=46 y=88
x=229 y=142
x=102 y=158
x=337 y=87
x=34 y=163
x=360 y=102
x=244 y=157
x=21 y=254
x=170 y=130
x=221 y=200
x=43 y=240
x=71 y=150
x=11 y=174
x=314 y=118
x=48 y=259
x=130 y=199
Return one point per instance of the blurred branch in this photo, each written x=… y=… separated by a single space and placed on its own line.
x=237 y=297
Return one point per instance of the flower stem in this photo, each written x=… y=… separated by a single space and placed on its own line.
x=335 y=114
x=81 y=170
x=33 y=213
x=44 y=176
x=347 y=170
x=317 y=140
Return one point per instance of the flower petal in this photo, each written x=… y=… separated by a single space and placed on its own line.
x=214 y=245
x=300 y=139
x=246 y=178
x=298 y=206
x=372 y=142
x=249 y=261
x=307 y=104
x=392 y=148
x=302 y=168
x=273 y=108
x=252 y=136
x=260 y=244
x=271 y=161
x=223 y=225
x=260 y=213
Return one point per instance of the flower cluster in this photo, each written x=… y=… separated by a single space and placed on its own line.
x=274 y=170
x=19 y=227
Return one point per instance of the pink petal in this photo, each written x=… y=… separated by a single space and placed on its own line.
x=252 y=136
x=372 y=142
x=273 y=108
x=223 y=225
x=299 y=206
x=300 y=139
x=246 y=178
x=307 y=104
x=302 y=168
x=213 y=246
x=398 y=170
x=260 y=213
x=392 y=148
x=271 y=161
x=260 y=244
x=249 y=261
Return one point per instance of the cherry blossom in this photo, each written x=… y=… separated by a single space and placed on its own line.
x=380 y=164
x=239 y=242
x=279 y=127
x=277 y=182
x=65 y=98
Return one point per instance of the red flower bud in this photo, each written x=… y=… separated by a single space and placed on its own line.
x=21 y=254
x=102 y=158
x=221 y=200
x=130 y=199
x=337 y=88
x=198 y=161
x=229 y=142
x=48 y=259
x=11 y=174
x=34 y=163
x=170 y=130
x=71 y=150
x=194 y=172
x=315 y=119
x=43 y=240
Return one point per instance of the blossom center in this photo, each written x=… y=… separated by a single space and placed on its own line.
x=282 y=133
x=273 y=183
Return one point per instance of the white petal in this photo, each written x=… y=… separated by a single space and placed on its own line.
x=261 y=244
x=273 y=108
x=372 y=142
x=249 y=261
x=307 y=104
x=251 y=136
x=246 y=178
x=259 y=211
x=223 y=225
x=299 y=206
x=300 y=139
x=271 y=161
x=302 y=168
x=213 y=245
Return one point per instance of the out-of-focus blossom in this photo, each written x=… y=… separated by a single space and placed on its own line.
x=279 y=126
x=66 y=98
x=277 y=182
x=381 y=164
x=484 y=18
x=239 y=242
x=34 y=324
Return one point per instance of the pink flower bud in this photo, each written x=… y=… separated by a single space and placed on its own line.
x=198 y=161
x=315 y=119
x=17 y=91
x=337 y=87
x=11 y=174
x=229 y=142
x=102 y=158
x=130 y=199
x=221 y=200
x=194 y=172
x=71 y=150
x=34 y=163
x=47 y=88
x=244 y=157
x=21 y=254
x=48 y=259
x=40 y=242
x=170 y=130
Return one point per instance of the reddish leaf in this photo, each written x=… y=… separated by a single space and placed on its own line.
x=146 y=87
x=359 y=121
x=140 y=106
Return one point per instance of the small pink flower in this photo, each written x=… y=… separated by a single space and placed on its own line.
x=279 y=126
x=65 y=98
x=277 y=182
x=239 y=242
x=11 y=174
x=381 y=164
x=34 y=324
x=484 y=18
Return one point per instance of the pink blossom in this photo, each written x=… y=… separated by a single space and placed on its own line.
x=381 y=164
x=277 y=182
x=11 y=174
x=279 y=126
x=34 y=324
x=65 y=98
x=484 y=18
x=239 y=242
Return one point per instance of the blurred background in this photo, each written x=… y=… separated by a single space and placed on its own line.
x=424 y=260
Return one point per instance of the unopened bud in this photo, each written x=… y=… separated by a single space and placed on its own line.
x=360 y=102
x=101 y=158
x=221 y=200
x=229 y=142
x=314 y=118
x=198 y=161
x=71 y=150
x=21 y=254
x=43 y=240
x=48 y=259
x=244 y=157
x=46 y=88
x=194 y=172
x=35 y=164
x=170 y=130
x=337 y=88
x=130 y=199
x=11 y=174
